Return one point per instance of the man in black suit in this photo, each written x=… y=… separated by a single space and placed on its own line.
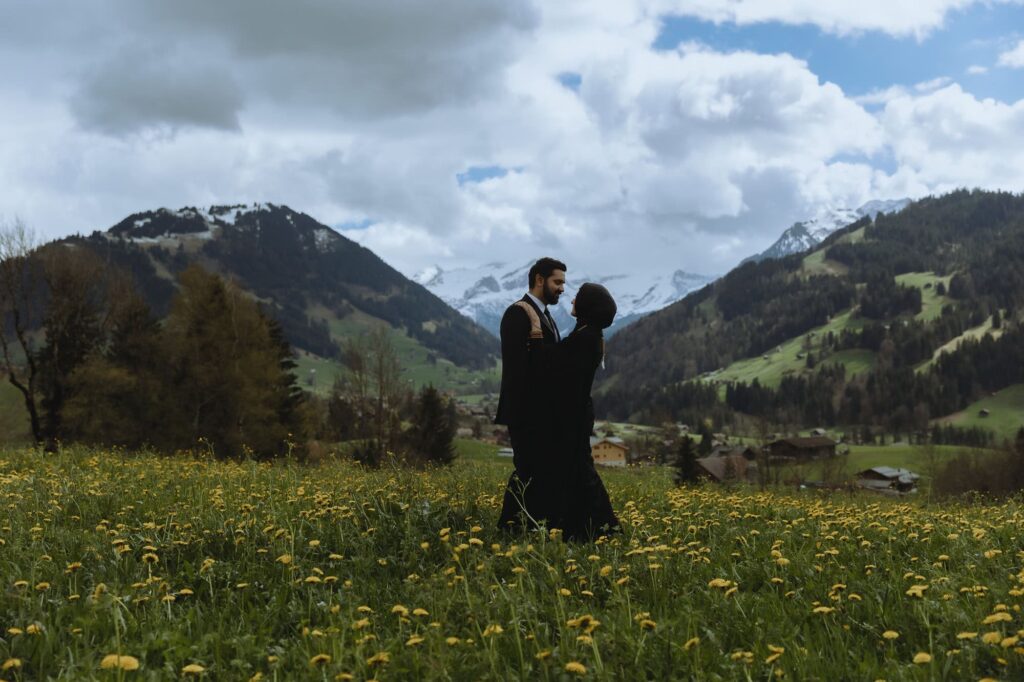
x=522 y=406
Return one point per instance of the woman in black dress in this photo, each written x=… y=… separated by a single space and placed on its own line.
x=579 y=505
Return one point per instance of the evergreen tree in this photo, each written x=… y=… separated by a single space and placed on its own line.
x=430 y=438
x=705 y=447
x=686 y=462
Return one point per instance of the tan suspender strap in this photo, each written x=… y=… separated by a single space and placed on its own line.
x=531 y=312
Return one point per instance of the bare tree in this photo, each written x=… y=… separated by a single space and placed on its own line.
x=20 y=302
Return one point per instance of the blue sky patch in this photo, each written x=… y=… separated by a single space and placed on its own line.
x=870 y=61
x=570 y=80
x=480 y=173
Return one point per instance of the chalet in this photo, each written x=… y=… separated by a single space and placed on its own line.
x=731 y=467
x=747 y=452
x=609 y=451
x=505 y=452
x=810 y=447
x=888 y=480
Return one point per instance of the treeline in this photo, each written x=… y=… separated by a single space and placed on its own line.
x=94 y=364
x=891 y=396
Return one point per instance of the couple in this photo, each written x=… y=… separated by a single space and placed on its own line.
x=545 y=402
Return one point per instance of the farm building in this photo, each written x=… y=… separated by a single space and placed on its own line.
x=810 y=447
x=609 y=451
x=731 y=467
x=888 y=480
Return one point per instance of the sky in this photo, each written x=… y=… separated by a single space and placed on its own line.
x=617 y=135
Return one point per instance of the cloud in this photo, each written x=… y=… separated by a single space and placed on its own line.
x=364 y=58
x=371 y=114
x=145 y=88
x=1013 y=58
x=948 y=139
x=977 y=70
x=900 y=18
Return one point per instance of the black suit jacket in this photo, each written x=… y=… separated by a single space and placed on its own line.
x=514 y=402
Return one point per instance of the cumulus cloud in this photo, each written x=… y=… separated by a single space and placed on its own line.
x=370 y=112
x=1013 y=58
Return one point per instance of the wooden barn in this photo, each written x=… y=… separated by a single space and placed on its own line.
x=809 y=447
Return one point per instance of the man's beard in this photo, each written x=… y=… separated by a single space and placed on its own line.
x=550 y=295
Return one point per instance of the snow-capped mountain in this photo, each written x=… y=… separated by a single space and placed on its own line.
x=809 y=233
x=483 y=293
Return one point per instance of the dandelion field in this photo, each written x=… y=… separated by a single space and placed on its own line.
x=141 y=567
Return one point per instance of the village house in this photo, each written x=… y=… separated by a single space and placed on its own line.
x=609 y=451
x=810 y=447
x=888 y=480
x=728 y=467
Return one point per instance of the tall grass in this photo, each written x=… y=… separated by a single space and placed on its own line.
x=257 y=571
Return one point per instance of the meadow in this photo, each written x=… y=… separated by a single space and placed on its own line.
x=119 y=566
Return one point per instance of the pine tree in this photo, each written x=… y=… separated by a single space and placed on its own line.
x=431 y=436
x=686 y=462
x=705 y=447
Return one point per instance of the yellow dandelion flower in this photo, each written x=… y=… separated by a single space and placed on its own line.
x=493 y=629
x=1008 y=642
x=823 y=609
x=34 y=629
x=15 y=631
x=284 y=559
x=193 y=669
x=992 y=637
x=313 y=580
x=967 y=635
x=119 y=661
x=314 y=543
x=1001 y=617
x=605 y=571
x=690 y=643
x=11 y=663
x=414 y=640
x=319 y=660
x=364 y=609
x=150 y=558
x=185 y=592
x=42 y=587
x=921 y=658
x=379 y=658
x=451 y=641
x=647 y=624
x=916 y=591
x=575 y=667
x=543 y=654
x=361 y=623
x=400 y=610
x=891 y=634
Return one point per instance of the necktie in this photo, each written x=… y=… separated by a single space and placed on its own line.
x=554 y=327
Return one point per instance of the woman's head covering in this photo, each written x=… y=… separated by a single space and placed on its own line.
x=594 y=305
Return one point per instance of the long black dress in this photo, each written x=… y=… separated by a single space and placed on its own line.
x=573 y=497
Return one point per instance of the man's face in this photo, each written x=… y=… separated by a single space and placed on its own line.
x=554 y=286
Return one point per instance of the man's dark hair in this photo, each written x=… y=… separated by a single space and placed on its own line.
x=544 y=267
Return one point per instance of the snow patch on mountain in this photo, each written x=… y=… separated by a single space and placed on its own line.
x=807 y=234
x=483 y=293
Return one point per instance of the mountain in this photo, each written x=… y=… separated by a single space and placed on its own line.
x=483 y=293
x=318 y=284
x=807 y=234
x=894 y=322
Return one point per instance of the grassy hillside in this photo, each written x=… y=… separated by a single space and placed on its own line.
x=927 y=282
x=769 y=368
x=1006 y=413
x=420 y=365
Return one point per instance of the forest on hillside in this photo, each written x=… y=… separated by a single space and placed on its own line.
x=663 y=366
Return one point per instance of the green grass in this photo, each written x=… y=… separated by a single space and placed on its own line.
x=951 y=345
x=314 y=573
x=1006 y=410
x=770 y=370
x=931 y=302
x=815 y=263
x=14 y=423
